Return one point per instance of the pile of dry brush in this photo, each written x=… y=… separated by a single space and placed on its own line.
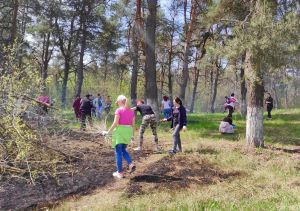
x=24 y=130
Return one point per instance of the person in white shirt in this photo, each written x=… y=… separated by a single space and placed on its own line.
x=166 y=107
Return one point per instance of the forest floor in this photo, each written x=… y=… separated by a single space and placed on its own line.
x=215 y=172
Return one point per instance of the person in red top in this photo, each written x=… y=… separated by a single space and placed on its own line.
x=76 y=107
x=44 y=101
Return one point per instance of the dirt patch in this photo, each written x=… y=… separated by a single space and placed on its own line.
x=175 y=172
x=90 y=163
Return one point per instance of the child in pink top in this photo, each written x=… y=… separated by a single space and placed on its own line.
x=126 y=116
x=122 y=132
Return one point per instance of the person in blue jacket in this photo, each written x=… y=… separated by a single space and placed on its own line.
x=179 y=122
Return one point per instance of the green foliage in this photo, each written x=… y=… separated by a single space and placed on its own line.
x=19 y=141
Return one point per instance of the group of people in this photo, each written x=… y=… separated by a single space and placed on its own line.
x=89 y=107
x=226 y=125
x=122 y=128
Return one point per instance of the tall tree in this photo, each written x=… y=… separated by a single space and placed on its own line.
x=136 y=40
x=216 y=71
x=67 y=35
x=243 y=100
x=150 y=63
x=188 y=42
x=84 y=13
x=13 y=33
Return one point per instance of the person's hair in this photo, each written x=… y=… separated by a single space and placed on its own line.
x=77 y=96
x=99 y=95
x=178 y=100
x=88 y=95
x=232 y=95
x=226 y=97
x=126 y=103
x=228 y=119
x=141 y=101
x=165 y=98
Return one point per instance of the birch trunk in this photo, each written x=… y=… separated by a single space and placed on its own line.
x=255 y=109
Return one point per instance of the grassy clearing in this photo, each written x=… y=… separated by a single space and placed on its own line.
x=270 y=179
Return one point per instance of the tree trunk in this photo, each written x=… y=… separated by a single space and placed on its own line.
x=162 y=80
x=255 y=109
x=243 y=101
x=187 y=46
x=286 y=95
x=277 y=98
x=170 y=56
x=150 y=63
x=105 y=66
x=13 y=33
x=46 y=55
x=195 y=87
x=134 y=75
x=67 y=51
x=298 y=7
x=80 y=75
x=65 y=82
x=135 y=55
x=214 y=91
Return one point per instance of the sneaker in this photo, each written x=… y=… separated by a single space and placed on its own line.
x=138 y=149
x=118 y=175
x=172 y=152
x=132 y=168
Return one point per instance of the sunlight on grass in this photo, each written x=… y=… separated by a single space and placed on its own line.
x=268 y=180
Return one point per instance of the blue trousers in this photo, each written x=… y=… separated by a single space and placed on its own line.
x=167 y=113
x=120 y=151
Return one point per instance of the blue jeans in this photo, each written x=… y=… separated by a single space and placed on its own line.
x=167 y=112
x=99 y=112
x=176 y=139
x=120 y=151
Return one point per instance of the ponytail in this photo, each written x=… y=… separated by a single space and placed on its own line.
x=127 y=103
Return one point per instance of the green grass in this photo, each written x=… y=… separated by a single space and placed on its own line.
x=270 y=179
x=283 y=129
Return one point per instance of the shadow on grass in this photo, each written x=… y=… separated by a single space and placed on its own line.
x=284 y=128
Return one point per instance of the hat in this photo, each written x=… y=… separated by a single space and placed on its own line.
x=121 y=98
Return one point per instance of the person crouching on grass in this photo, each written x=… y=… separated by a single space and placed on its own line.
x=122 y=131
x=179 y=122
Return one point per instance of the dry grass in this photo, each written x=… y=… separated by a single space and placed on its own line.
x=269 y=178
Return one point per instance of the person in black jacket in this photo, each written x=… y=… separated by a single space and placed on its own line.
x=179 y=122
x=86 y=106
x=269 y=102
x=148 y=118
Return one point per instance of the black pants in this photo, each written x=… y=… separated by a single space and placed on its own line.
x=230 y=109
x=269 y=109
x=83 y=119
